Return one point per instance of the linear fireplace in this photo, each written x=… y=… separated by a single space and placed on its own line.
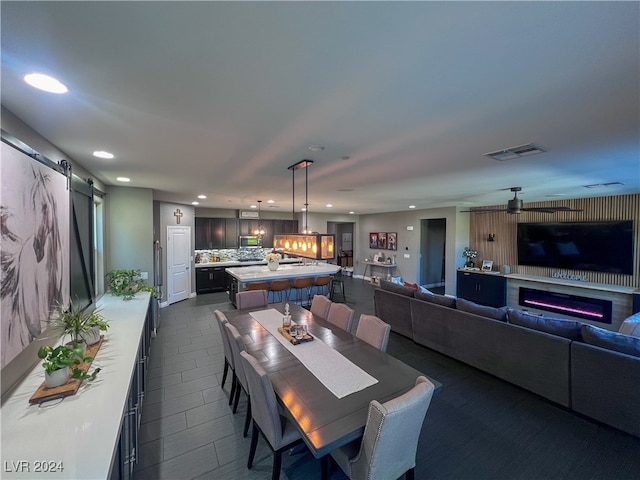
x=594 y=309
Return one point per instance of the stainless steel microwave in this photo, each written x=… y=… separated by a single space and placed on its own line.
x=248 y=241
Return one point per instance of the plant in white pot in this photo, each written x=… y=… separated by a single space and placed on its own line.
x=126 y=283
x=81 y=324
x=57 y=362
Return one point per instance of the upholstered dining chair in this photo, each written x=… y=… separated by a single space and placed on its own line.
x=237 y=346
x=320 y=306
x=228 y=354
x=376 y=455
x=277 y=430
x=373 y=331
x=341 y=316
x=252 y=299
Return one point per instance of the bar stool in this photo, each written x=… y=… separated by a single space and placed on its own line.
x=298 y=286
x=337 y=283
x=320 y=283
x=280 y=288
x=258 y=286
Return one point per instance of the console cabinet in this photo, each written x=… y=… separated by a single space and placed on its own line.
x=483 y=288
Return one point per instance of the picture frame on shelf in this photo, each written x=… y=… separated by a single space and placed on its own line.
x=392 y=241
x=382 y=240
x=487 y=265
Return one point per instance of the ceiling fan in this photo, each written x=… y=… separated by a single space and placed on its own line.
x=515 y=206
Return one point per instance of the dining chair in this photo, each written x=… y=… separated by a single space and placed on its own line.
x=228 y=354
x=320 y=306
x=252 y=299
x=237 y=346
x=279 y=432
x=373 y=331
x=341 y=316
x=376 y=455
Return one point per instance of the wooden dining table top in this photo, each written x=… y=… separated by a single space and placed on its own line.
x=327 y=422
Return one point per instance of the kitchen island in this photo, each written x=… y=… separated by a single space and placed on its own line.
x=240 y=277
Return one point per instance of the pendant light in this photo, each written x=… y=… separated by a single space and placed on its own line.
x=260 y=231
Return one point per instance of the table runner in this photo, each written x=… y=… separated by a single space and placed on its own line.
x=319 y=358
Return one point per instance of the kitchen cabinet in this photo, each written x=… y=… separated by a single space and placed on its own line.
x=483 y=288
x=214 y=233
x=231 y=233
x=211 y=279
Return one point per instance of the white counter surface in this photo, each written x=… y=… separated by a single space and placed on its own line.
x=260 y=272
x=79 y=433
x=237 y=263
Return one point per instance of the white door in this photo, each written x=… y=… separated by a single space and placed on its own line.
x=178 y=263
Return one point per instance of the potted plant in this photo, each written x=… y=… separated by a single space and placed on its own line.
x=126 y=283
x=80 y=324
x=469 y=255
x=57 y=362
x=273 y=260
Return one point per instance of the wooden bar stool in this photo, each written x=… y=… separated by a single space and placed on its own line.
x=258 y=286
x=299 y=286
x=320 y=284
x=281 y=289
x=337 y=283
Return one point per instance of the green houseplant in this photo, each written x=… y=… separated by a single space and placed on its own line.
x=81 y=324
x=126 y=283
x=58 y=360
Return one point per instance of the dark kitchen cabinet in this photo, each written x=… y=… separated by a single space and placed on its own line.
x=483 y=288
x=214 y=233
x=211 y=279
x=231 y=233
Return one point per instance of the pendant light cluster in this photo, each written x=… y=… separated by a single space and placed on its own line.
x=306 y=244
x=260 y=232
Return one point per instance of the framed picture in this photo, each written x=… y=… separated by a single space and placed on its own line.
x=373 y=240
x=382 y=240
x=392 y=237
x=487 y=265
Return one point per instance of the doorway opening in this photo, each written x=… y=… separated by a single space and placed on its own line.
x=433 y=234
x=344 y=235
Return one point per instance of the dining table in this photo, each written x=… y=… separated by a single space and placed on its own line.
x=326 y=420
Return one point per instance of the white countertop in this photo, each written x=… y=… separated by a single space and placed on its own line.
x=81 y=432
x=262 y=272
x=237 y=263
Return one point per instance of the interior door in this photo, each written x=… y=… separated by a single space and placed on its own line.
x=178 y=263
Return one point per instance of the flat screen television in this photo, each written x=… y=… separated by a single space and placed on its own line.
x=591 y=246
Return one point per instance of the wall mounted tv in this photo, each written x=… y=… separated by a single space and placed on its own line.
x=592 y=246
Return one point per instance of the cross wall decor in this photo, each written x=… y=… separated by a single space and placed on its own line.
x=178 y=214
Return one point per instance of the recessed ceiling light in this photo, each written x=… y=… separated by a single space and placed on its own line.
x=352 y=213
x=202 y=197
x=195 y=203
x=45 y=82
x=102 y=154
x=271 y=201
x=412 y=206
x=329 y=205
x=316 y=148
x=303 y=209
x=123 y=179
x=253 y=206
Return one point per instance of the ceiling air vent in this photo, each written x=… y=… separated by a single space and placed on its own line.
x=515 y=152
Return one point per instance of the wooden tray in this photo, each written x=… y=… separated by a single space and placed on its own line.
x=295 y=341
x=43 y=393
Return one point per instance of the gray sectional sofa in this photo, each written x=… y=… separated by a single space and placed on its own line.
x=597 y=376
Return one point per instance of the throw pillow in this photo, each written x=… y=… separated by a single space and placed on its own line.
x=412 y=285
x=611 y=340
x=425 y=290
x=435 y=298
x=556 y=326
x=482 y=310
x=395 y=288
x=631 y=326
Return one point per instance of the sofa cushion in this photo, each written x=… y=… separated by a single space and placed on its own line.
x=395 y=288
x=489 y=312
x=617 y=342
x=631 y=326
x=435 y=298
x=556 y=326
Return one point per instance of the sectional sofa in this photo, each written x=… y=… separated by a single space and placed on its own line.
x=594 y=372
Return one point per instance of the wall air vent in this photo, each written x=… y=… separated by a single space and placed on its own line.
x=515 y=152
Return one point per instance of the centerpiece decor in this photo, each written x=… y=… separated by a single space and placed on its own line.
x=469 y=255
x=273 y=260
x=81 y=323
x=126 y=283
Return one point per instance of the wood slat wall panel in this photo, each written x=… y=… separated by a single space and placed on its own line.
x=503 y=251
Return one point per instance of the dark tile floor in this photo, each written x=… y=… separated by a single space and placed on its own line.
x=479 y=427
